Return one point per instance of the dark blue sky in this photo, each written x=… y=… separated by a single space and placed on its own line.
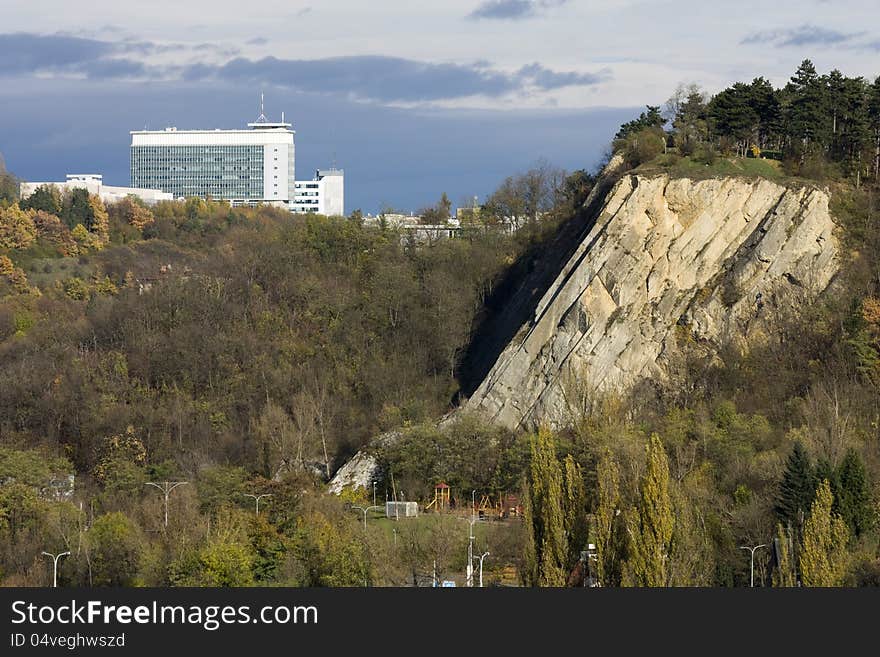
x=404 y=158
x=412 y=99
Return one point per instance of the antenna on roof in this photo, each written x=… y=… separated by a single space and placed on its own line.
x=262 y=118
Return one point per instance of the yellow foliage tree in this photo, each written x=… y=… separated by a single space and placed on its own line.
x=823 y=558
x=652 y=523
x=100 y=221
x=17 y=230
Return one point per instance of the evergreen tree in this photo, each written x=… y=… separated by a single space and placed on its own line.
x=76 y=209
x=823 y=557
x=733 y=116
x=46 y=198
x=874 y=123
x=853 y=494
x=651 y=118
x=764 y=99
x=652 y=523
x=797 y=488
x=808 y=111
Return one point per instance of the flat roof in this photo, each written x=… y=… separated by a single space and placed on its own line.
x=202 y=131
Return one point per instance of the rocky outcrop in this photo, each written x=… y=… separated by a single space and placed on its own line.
x=716 y=258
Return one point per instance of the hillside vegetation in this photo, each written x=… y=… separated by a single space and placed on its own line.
x=248 y=351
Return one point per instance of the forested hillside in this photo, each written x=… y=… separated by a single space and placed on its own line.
x=248 y=351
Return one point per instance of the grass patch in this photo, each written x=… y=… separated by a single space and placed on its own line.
x=677 y=166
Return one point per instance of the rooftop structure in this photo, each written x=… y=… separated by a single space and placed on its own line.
x=324 y=194
x=93 y=183
x=243 y=166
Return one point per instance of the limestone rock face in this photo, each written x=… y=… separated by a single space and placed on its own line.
x=717 y=258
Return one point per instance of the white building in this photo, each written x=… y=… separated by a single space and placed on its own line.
x=324 y=194
x=241 y=166
x=94 y=184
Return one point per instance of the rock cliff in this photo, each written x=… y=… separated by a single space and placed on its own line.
x=718 y=258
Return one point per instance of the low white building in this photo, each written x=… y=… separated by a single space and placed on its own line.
x=324 y=194
x=94 y=184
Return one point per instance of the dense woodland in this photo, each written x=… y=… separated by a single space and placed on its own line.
x=248 y=351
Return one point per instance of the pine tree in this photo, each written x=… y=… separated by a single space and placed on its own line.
x=853 y=494
x=732 y=115
x=796 y=489
x=874 y=123
x=764 y=99
x=807 y=114
x=607 y=510
x=823 y=557
x=652 y=523
x=46 y=198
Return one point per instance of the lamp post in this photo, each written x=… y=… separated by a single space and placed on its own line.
x=55 y=558
x=258 y=498
x=374 y=492
x=365 y=511
x=166 y=487
x=482 y=556
x=752 y=550
x=470 y=553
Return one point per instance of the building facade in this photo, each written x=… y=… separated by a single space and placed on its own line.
x=244 y=167
x=324 y=194
x=93 y=183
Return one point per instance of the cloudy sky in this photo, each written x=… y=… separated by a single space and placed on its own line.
x=410 y=98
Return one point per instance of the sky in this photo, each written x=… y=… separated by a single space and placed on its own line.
x=411 y=98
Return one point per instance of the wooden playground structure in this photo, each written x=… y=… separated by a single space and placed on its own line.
x=500 y=506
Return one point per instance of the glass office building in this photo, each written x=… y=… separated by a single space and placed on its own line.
x=250 y=166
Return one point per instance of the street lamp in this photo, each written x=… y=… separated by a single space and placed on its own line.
x=55 y=558
x=470 y=554
x=365 y=511
x=258 y=498
x=166 y=487
x=374 y=492
x=482 y=556
x=752 y=550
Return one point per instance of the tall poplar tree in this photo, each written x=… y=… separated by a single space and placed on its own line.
x=823 y=556
x=608 y=476
x=784 y=574
x=546 y=545
x=652 y=523
x=575 y=509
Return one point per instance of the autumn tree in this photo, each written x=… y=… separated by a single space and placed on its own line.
x=651 y=523
x=545 y=515
x=17 y=230
x=823 y=556
x=606 y=520
x=784 y=558
x=575 y=498
x=114 y=546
